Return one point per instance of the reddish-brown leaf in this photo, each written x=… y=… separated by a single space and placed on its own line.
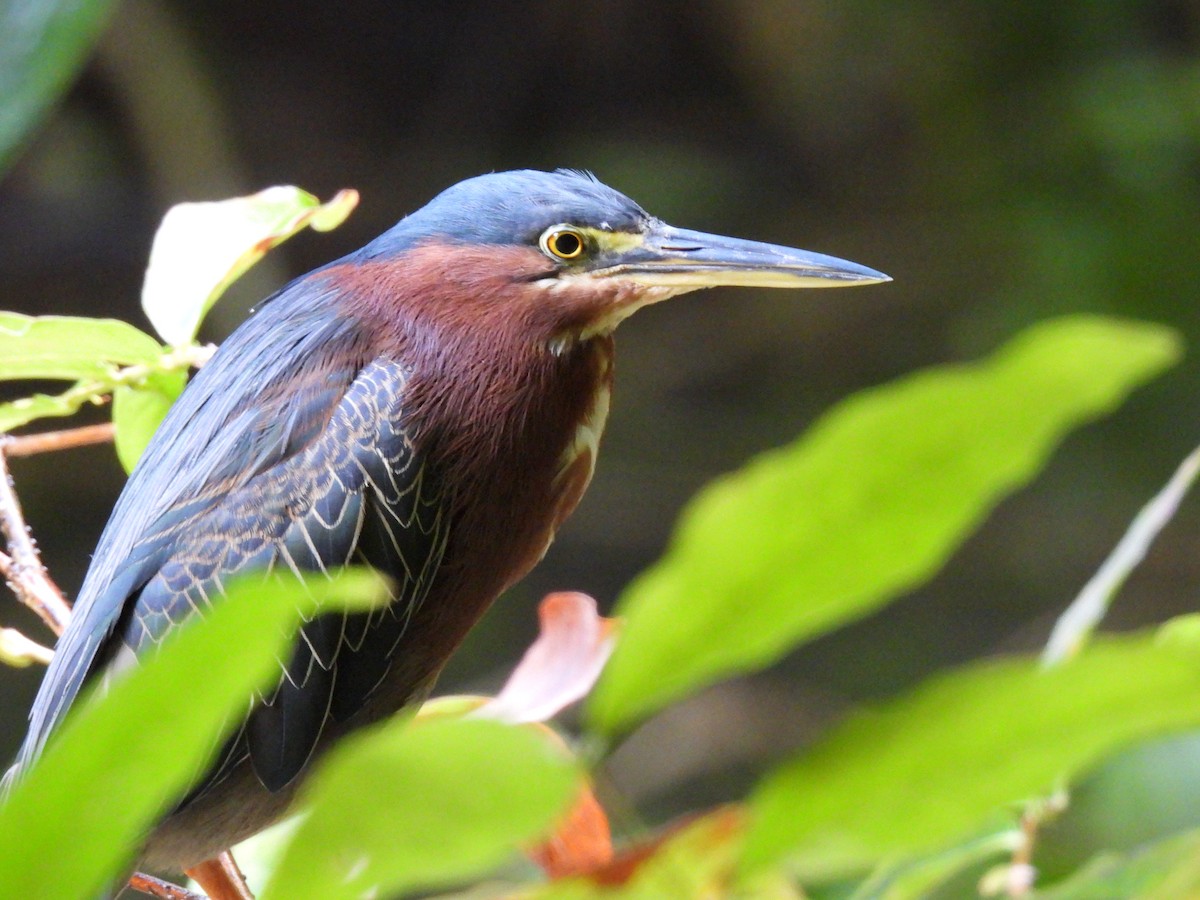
x=582 y=841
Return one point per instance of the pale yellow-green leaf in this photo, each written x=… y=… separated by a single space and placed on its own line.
x=70 y=348
x=202 y=248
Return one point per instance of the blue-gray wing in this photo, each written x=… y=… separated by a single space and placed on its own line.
x=287 y=450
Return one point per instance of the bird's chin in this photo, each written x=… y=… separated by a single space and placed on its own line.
x=636 y=296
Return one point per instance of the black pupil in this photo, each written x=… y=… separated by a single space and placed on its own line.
x=567 y=243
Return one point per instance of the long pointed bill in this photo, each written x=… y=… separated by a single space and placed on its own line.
x=678 y=258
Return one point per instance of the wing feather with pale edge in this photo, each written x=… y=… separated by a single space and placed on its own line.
x=287 y=450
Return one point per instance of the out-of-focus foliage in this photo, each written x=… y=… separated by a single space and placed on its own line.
x=948 y=756
x=121 y=759
x=428 y=805
x=700 y=859
x=1166 y=870
x=1079 y=621
x=866 y=505
x=43 y=43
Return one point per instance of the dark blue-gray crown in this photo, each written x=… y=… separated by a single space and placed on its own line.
x=512 y=208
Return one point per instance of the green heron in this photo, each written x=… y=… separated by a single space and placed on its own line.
x=430 y=405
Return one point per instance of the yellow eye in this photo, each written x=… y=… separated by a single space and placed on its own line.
x=563 y=243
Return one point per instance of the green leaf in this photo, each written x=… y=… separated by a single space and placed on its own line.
x=202 y=248
x=418 y=805
x=933 y=765
x=120 y=759
x=919 y=878
x=138 y=411
x=40 y=406
x=101 y=356
x=42 y=46
x=1166 y=870
x=70 y=348
x=869 y=504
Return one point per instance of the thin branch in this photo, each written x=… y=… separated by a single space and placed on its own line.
x=48 y=441
x=164 y=890
x=1075 y=626
x=23 y=568
x=221 y=878
x=1015 y=879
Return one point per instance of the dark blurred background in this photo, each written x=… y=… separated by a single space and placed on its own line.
x=1004 y=162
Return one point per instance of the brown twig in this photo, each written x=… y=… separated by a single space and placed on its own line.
x=48 y=441
x=23 y=568
x=221 y=878
x=1015 y=878
x=164 y=890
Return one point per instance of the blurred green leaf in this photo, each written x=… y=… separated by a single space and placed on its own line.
x=259 y=855
x=43 y=43
x=418 y=805
x=1167 y=870
x=138 y=411
x=119 y=759
x=930 y=766
x=202 y=248
x=867 y=505
x=70 y=347
x=918 y=878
